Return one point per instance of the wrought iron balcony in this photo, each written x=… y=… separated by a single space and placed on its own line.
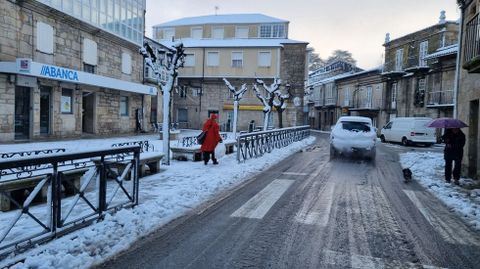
x=472 y=46
x=364 y=104
x=440 y=98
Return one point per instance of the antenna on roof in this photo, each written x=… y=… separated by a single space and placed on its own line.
x=216 y=10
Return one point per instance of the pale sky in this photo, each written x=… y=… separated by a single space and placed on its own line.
x=358 y=26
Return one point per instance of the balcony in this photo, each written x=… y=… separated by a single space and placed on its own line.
x=416 y=66
x=472 y=46
x=363 y=104
x=330 y=101
x=440 y=99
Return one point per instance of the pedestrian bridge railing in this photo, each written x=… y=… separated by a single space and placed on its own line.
x=51 y=195
x=256 y=144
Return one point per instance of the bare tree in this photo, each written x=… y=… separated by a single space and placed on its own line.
x=237 y=96
x=280 y=103
x=268 y=99
x=170 y=61
x=314 y=61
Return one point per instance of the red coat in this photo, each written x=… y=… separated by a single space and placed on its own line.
x=213 y=134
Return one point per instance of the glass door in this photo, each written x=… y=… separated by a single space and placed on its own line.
x=22 y=112
x=45 y=93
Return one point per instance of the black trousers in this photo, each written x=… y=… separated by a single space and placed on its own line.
x=206 y=156
x=456 y=169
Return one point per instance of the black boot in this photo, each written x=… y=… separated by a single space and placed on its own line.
x=215 y=161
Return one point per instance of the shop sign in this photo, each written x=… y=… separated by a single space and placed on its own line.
x=59 y=73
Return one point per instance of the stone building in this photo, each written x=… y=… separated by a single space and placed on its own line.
x=324 y=108
x=469 y=84
x=363 y=94
x=419 y=72
x=240 y=48
x=68 y=70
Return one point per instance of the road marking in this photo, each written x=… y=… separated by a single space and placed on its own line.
x=368 y=262
x=258 y=206
x=316 y=207
x=295 y=174
x=454 y=235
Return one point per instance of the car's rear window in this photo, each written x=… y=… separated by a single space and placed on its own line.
x=355 y=126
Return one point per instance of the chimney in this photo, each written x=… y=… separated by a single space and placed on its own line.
x=387 y=38
x=443 y=18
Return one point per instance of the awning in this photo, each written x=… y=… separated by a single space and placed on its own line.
x=27 y=67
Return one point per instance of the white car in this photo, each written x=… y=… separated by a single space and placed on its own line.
x=353 y=135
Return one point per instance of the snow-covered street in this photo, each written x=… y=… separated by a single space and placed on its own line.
x=163 y=197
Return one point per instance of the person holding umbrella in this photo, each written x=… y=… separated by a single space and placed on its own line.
x=454 y=140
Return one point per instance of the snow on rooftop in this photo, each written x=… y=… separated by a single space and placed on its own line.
x=444 y=51
x=226 y=43
x=222 y=19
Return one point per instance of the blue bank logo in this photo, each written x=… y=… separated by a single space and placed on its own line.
x=58 y=73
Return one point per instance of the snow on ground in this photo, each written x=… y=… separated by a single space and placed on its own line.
x=174 y=191
x=428 y=170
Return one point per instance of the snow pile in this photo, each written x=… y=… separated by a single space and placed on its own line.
x=429 y=172
x=163 y=197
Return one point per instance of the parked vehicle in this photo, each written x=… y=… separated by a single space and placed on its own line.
x=353 y=135
x=409 y=130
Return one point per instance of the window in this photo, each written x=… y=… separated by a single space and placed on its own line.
x=196 y=32
x=189 y=60
x=369 y=96
x=126 y=63
x=213 y=59
x=264 y=59
x=237 y=59
x=44 y=38
x=272 y=30
x=217 y=33
x=168 y=34
x=89 y=68
x=66 y=101
x=422 y=53
x=241 y=32
x=346 y=99
x=89 y=51
x=182 y=115
x=394 y=96
x=196 y=92
x=123 y=105
x=399 y=60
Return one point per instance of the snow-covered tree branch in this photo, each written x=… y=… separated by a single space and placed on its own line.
x=237 y=96
x=267 y=100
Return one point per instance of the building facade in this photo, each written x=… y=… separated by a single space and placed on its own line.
x=469 y=85
x=69 y=68
x=419 y=72
x=240 y=48
x=323 y=106
x=363 y=94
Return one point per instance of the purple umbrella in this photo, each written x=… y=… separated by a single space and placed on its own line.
x=446 y=123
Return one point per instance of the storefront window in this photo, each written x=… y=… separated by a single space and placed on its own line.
x=66 y=101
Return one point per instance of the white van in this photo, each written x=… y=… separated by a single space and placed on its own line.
x=409 y=130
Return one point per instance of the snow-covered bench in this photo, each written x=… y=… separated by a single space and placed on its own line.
x=23 y=186
x=190 y=150
x=148 y=158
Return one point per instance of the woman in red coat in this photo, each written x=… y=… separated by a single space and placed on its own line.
x=211 y=140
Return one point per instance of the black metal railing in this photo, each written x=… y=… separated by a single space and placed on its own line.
x=472 y=39
x=54 y=195
x=9 y=155
x=190 y=141
x=145 y=146
x=253 y=145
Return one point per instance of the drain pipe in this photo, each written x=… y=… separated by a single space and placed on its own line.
x=457 y=68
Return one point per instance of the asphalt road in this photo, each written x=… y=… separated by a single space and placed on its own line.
x=309 y=212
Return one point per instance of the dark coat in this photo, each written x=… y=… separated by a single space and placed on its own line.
x=453 y=145
x=213 y=134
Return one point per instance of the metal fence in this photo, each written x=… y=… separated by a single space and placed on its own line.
x=253 y=145
x=54 y=195
x=190 y=141
x=472 y=39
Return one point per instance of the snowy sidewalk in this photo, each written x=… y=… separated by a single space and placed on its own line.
x=163 y=197
x=428 y=170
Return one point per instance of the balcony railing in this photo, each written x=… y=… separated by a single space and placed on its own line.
x=472 y=46
x=440 y=98
x=374 y=104
x=330 y=101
